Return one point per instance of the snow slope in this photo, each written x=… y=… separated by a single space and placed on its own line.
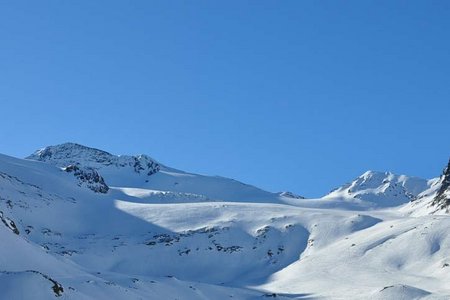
x=160 y=233
x=143 y=172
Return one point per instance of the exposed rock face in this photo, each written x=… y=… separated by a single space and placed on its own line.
x=288 y=194
x=145 y=164
x=9 y=223
x=88 y=177
x=442 y=198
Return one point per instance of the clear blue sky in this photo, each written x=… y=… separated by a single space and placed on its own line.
x=285 y=95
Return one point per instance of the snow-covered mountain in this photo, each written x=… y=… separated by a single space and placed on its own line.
x=380 y=189
x=74 y=154
x=81 y=223
x=143 y=176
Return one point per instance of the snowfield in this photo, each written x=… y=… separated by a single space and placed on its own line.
x=80 y=223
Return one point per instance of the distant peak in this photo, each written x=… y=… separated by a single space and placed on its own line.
x=71 y=145
x=381 y=188
x=67 y=151
x=66 y=154
x=371 y=173
x=65 y=147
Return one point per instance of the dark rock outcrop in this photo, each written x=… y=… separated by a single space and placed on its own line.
x=89 y=178
x=442 y=198
x=288 y=194
x=9 y=223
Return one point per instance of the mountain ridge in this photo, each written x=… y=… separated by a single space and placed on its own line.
x=175 y=234
x=66 y=154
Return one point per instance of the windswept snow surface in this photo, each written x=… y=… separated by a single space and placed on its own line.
x=161 y=233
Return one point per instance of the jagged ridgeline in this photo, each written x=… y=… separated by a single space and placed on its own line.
x=87 y=164
x=68 y=154
x=82 y=223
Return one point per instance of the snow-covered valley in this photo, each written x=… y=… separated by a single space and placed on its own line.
x=80 y=223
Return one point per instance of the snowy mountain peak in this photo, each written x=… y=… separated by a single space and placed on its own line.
x=70 y=153
x=67 y=154
x=375 y=177
x=381 y=189
x=371 y=173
